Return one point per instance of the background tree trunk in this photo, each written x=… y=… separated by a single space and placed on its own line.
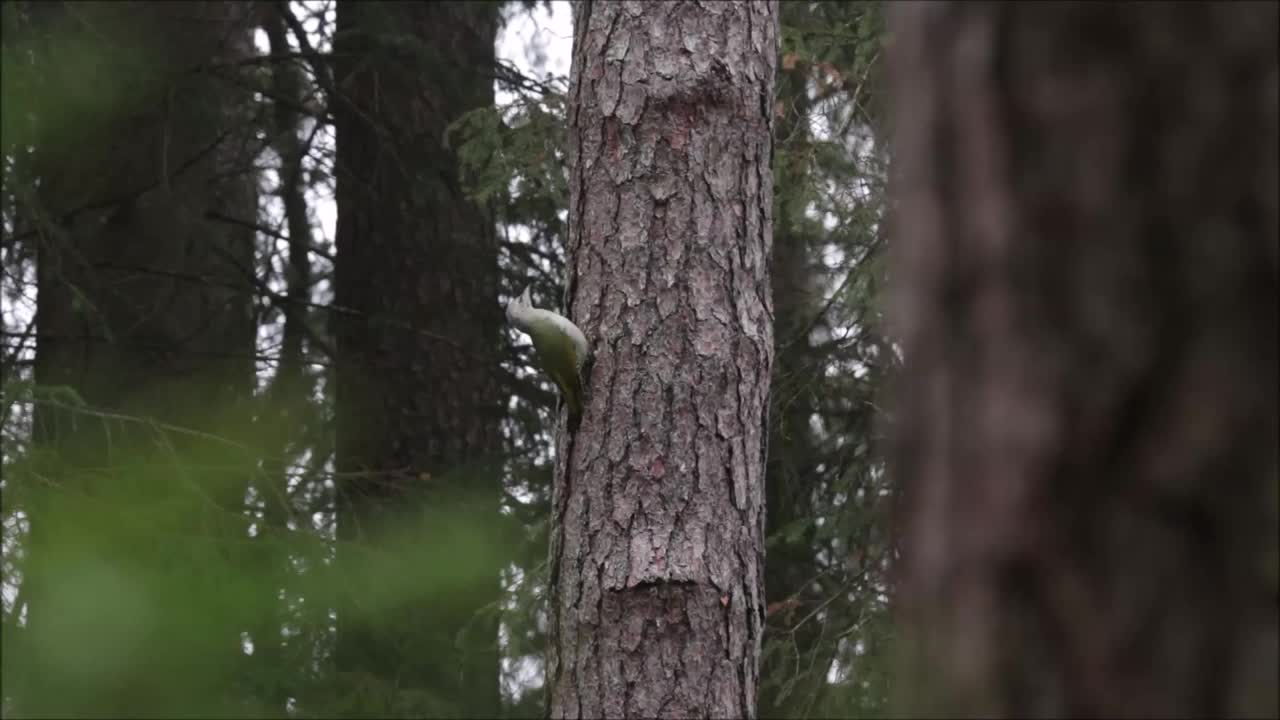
x=144 y=311
x=281 y=428
x=417 y=383
x=1086 y=259
x=657 y=551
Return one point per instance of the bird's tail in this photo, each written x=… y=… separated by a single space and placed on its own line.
x=571 y=392
x=573 y=400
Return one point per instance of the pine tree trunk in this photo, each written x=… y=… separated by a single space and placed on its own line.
x=418 y=340
x=1086 y=259
x=657 y=550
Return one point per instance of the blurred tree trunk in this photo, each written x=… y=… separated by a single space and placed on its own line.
x=1086 y=259
x=145 y=311
x=417 y=385
x=657 y=555
x=282 y=424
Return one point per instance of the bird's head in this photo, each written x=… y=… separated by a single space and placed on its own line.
x=519 y=305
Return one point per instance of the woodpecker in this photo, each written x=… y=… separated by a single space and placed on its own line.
x=561 y=347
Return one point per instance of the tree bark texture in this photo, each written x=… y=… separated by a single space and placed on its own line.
x=417 y=387
x=657 y=546
x=145 y=310
x=1086 y=259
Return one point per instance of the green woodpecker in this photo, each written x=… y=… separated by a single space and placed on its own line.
x=562 y=348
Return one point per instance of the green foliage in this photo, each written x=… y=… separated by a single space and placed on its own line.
x=144 y=569
x=826 y=577
x=46 y=101
x=514 y=154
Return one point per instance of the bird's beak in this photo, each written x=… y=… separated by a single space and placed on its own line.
x=525 y=298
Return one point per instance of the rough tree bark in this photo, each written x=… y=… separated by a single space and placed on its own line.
x=1086 y=258
x=417 y=389
x=657 y=546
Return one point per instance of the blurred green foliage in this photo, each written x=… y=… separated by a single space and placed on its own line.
x=48 y=99
x=145 y=558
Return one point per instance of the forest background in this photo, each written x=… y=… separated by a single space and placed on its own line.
x=267 y=452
